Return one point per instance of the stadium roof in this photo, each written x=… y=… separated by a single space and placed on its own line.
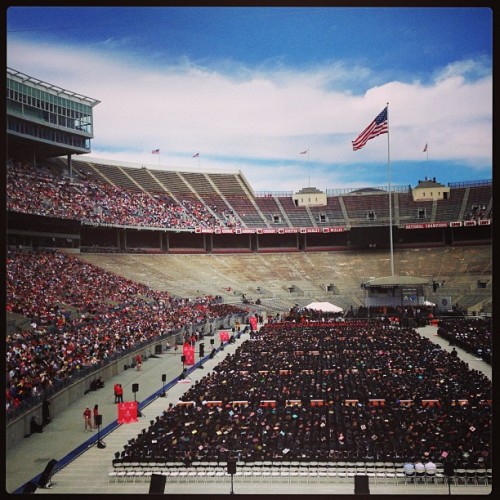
x=50 y=88
x=396 y=281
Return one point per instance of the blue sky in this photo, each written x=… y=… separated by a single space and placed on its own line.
x=250 y=88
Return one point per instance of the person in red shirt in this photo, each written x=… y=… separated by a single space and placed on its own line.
x=138 y=361
x=87 y=417
x=119 y=393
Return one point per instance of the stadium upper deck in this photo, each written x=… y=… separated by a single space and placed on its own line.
x=228 y=196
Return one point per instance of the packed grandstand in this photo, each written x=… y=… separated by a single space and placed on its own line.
x=87 y=240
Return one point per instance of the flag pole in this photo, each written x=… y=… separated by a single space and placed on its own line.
x=427 y=152
x=390 y=195
x=308 y=172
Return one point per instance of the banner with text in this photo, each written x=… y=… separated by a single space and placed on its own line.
x=188 y=351
x=253 y=322
x=127 y=412
x=224 y=336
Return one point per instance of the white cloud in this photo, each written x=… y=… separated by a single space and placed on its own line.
x=266 y=116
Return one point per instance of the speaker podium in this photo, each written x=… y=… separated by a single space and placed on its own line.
x=157 y=484
x=231 y=469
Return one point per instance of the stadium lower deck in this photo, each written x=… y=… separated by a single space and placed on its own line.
x=84 y=468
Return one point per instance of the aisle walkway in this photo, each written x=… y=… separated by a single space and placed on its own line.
x=84 y=467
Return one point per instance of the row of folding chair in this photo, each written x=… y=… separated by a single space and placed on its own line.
x=172 y=474
x=316 y=471
x=472 y=476
x=298 y=471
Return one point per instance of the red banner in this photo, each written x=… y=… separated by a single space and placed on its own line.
x=224 y=336
x=188 y=351
x=127 y=412
x=253 y=322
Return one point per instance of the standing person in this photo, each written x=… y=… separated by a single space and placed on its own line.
x=87 y=417
x=96 y=414
x=116 y=392
x=138 y=361
x=119 y=392
x=45 y=412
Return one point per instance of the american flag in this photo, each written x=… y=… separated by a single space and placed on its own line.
x=155 y=152
x=377 y=127
x=425 y=149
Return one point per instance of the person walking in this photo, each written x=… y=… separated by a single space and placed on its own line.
x=138 y=361
x=87 y=417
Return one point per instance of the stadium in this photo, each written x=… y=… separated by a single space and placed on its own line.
x=308 y=342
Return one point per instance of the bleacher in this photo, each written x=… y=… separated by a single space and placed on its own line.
x=230 y=192
x=479 y=202
x=146 y=180
x=229 y=184
x=367 y=209
x=230 y=275
x=410 y=211
x=298 y=216
x=332 y=213
x=246 y=211
x=271 y=211
x=450 y=209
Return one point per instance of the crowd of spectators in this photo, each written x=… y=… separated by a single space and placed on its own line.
x=472 y=334
x=43 y=191
x=357 y=390
x=46 y=191
x=80 y=316
x=478 y=212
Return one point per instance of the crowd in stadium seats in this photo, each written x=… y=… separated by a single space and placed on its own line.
x=358 y=390
x=473 y=335
x=81 y=316
x=40 y=191
x=478 y=212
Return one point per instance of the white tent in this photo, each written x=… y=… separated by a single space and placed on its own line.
x=324 y=306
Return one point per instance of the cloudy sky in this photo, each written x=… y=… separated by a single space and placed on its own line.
x=251 y=88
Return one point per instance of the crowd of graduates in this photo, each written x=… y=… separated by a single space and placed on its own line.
x=472 y=334
x=357 y=390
